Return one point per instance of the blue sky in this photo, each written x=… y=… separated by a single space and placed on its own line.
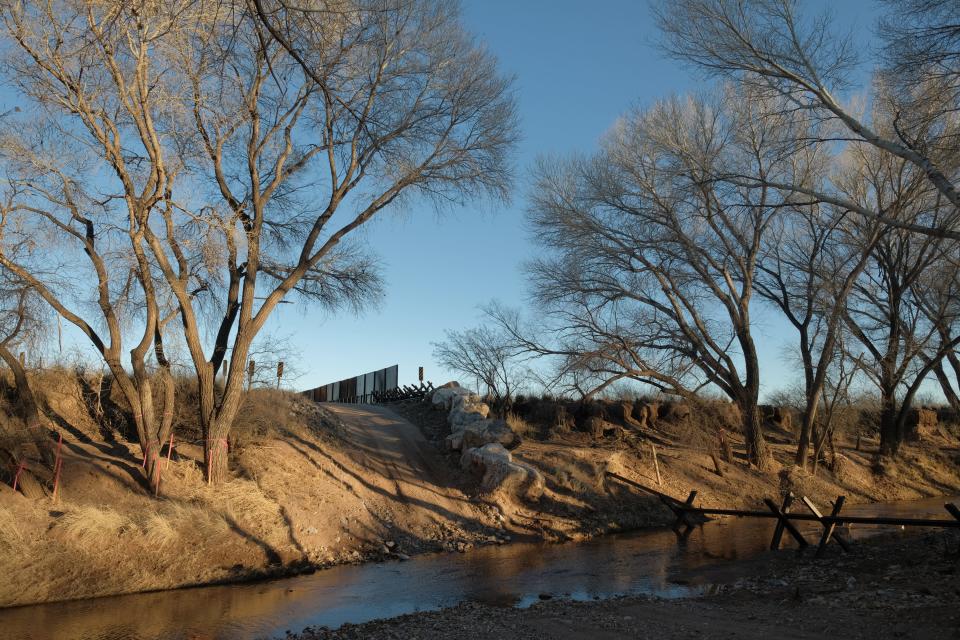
x=578 y=66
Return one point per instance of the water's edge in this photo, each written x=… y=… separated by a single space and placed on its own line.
x=645 y=561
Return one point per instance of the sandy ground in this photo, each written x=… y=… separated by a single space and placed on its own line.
x=893 y=587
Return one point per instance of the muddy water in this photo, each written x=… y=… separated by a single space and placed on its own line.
x=642 y=562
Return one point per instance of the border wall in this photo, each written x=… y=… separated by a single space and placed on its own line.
x=358 y=389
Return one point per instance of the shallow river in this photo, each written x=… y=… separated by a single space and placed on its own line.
x=640 y=562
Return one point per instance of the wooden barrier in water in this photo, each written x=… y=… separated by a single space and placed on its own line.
x=685 y=511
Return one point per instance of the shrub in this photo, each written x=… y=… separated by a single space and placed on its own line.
x=520 y=426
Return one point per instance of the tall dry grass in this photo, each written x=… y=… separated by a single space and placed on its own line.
x=97 y=526
x=11 y=539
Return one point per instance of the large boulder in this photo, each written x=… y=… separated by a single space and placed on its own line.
x=446 y=396
x=501 y=473
x=466 y=408
x=487 y=431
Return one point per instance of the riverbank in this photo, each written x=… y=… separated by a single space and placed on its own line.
x=317 y=486
x=893 y=586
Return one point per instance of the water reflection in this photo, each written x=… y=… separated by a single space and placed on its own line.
x=650 y=562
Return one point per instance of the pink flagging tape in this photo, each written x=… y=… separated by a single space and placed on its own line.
x=16 y=477
x=221 y=443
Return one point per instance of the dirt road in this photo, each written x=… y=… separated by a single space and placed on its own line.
x=404 y=465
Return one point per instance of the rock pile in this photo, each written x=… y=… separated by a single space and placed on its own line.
x=484 y=443
x=467 y=416
x=500 y=472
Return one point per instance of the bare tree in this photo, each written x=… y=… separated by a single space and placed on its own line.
x=239 y=171
x=88 y=168
x=22 y=322
x=654 y=260
x=890 y=306
x=358 y=105
x=487 y=354
x=808 y=269
x=772 y=46
x=816 y=254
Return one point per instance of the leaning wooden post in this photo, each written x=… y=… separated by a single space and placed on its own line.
x=656 y=464
x=830 y=525
x=952 y=508
x=823 y=523
x=725 y=449
x=781 y=517
x=778 y=530
x=716 y=465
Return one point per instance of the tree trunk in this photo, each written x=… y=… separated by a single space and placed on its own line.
x=889 y=433
x=806 y=429
x=29 y=407
x=216 y=450
x=952 y=399
x=757 y=451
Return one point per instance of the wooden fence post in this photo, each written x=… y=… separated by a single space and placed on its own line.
x=782 y=519
x=778 y=530
x=830 y=526
x=716 y=465
x=56 y=468
x=656 y=463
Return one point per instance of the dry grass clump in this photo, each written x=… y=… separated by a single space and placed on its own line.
x=520 y=426
x=243 y=501
x=578 y=475
x=159 y=529
x=93 y=525
x=97 y=525
x=265 y=414
x=192 y=521
x=10 y=537
x=239 y=500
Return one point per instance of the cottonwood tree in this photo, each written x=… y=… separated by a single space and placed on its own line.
x=908 y=281
x=777 y=48
x=653 y=260
x=815 y=254
x=250 y=173
x=23 y=444
x=940 y=306
x=808 y=269
x=89 y=168
x=338 y=112
x=940 y=311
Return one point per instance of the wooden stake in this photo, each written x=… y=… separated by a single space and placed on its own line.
x=169 y=451
x=656 y=463
x=725 y=449
x=716 y=465
x=778 y=530
x=782 y=518
x=56 y=468
x=830 y=526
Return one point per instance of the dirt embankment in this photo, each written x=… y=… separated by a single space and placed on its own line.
x=332 y=485
x=582 y=500
x=319 y=485
x=862 y=596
